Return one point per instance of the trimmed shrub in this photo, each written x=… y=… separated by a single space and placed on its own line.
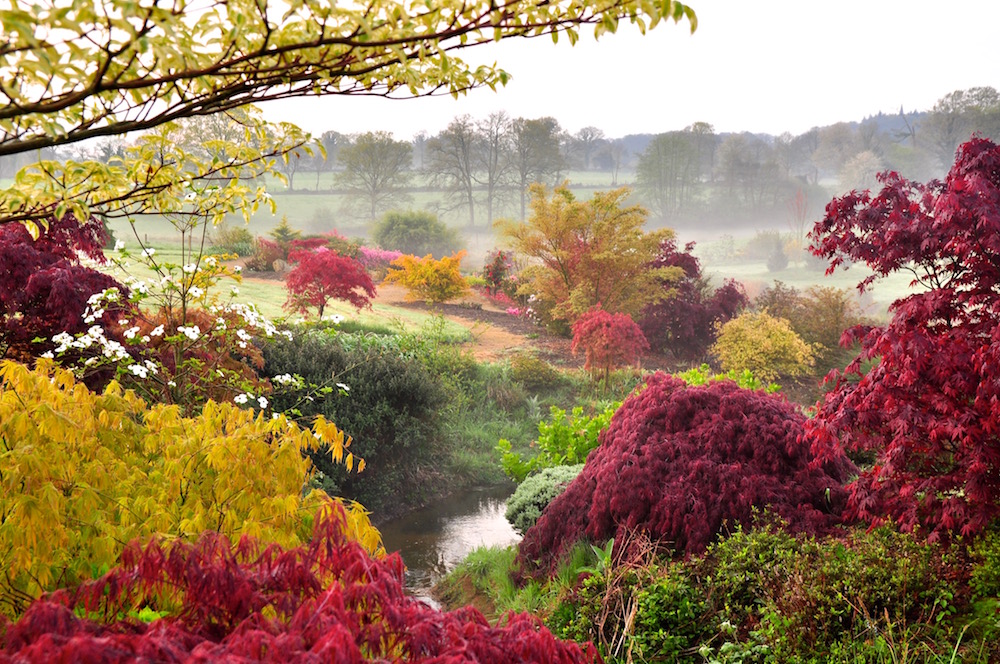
x=683 y=463
x=764 y=345
x=535 y=493
x=416 y=233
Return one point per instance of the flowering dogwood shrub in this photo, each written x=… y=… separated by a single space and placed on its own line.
x=683 y=462
x=327 y=600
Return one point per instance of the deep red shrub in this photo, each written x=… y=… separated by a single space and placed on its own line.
x=683 y=463
x=930 y=406
x=685 y=323
x=43 y=287
x=327 y=601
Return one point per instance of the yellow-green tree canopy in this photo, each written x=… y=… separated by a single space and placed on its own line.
x=765 y=345
x=586 y=253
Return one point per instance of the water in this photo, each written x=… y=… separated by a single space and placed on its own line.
x=433 y=540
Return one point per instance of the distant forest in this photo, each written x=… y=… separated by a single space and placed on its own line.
x=482 y=168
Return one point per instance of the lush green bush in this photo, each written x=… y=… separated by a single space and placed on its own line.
x=562 y=441
x=534 y=373
x=233 y=240
x=416 y=233
x=536 y=492
x=376 y=391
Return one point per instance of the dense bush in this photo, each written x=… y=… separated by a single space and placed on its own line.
x=535 y=493
x=236 y=240
x=685 y=462
x=764 y=345
x=416 y=233
x=428 y=279
x=533 y=372
x=387 y=404
x=85 y=473
x=685 y=323
x=327 y=600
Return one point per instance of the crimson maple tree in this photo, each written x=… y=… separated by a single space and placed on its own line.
x=930 y=406
x=608 y=340
x=43 y=286
x=321 y=275
x=685 y=324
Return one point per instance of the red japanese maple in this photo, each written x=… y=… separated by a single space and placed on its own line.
x=327 y=601
x=43 y=286
x=321 y=275
x=608 y=340
x=685 y=323
x=930 y=407
x=682 y=462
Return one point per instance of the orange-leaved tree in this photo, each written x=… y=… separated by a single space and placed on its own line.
x=583 y=253
x=86 y=473
x=428 y=279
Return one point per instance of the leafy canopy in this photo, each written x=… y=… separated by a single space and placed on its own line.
x=322 y=275
x=585 y=253
x=86 y=473
x=929 y=407
x=764 y=345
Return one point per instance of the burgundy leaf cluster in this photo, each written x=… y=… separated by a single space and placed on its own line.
x=327 y=601
x=43 y=287
x=682 y=463
x=685 y=323
x=930 y=407
x=321 y=275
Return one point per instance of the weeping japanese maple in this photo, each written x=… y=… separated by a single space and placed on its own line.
x=930 y=407
x=682 y=463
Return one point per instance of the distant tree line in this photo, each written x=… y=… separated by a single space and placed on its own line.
x=486 y=166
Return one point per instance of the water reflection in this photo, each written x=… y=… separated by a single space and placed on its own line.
x=435 y=539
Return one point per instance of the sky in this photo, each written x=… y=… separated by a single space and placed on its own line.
x=769 y=67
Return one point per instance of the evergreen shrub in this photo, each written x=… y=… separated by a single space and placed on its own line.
x=535 y=493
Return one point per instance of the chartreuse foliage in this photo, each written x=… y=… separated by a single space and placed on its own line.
x=428 y=279
x=683 y=463
x=565 y=440
x=86 y=473
x=325 y=600
x=763 y=344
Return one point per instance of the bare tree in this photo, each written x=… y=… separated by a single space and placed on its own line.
x=376 y=167
x=493 y=159
x=451 y=162
x=536 y=155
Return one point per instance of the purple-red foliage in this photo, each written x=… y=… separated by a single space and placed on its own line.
x=685 y=323
x=930 y=406
x=682 y=463
x=323 y=275
x=608 y=340
x=326 y=601
x=44 y=288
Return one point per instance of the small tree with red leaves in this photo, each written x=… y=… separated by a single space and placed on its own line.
x=683 y=463
x=608 y=341
x=325 y=601
x=930 y=406
x=321 y=275
x=43 y=287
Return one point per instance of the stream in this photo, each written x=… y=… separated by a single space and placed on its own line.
x=433 y=540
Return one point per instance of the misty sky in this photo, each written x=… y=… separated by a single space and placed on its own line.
x=783 y=65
